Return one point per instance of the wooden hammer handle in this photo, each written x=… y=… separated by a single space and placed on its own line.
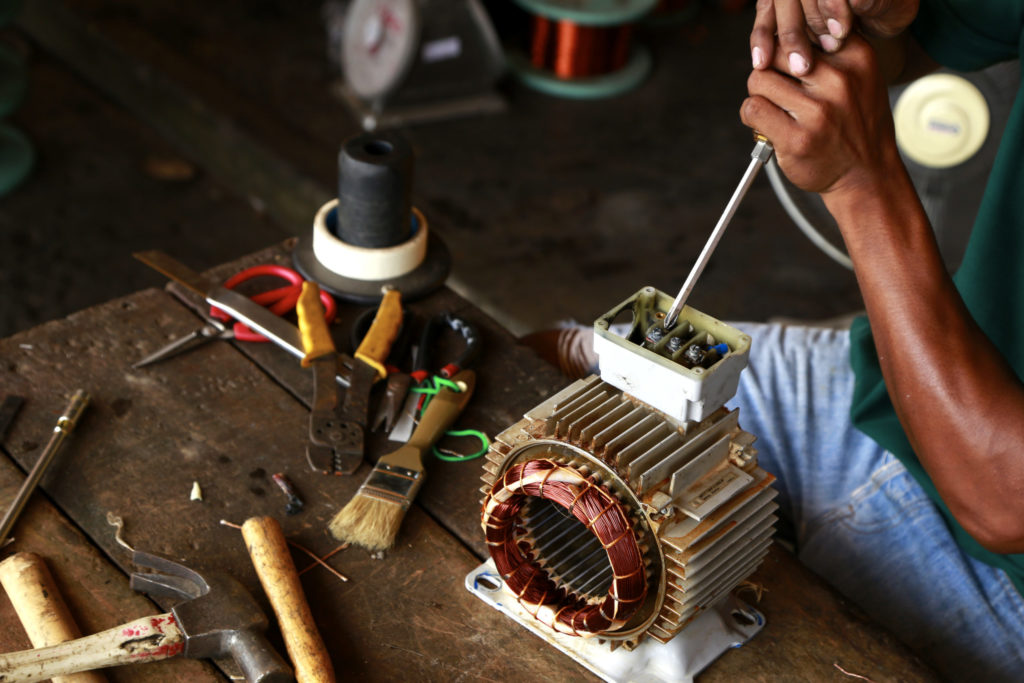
x=41 y=608
x=273 y=562
x=144 y=640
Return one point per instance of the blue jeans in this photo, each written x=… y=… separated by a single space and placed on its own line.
x=861 y=521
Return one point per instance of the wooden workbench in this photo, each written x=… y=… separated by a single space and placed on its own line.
x=228 y=416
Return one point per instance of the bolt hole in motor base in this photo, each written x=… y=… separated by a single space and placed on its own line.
x=706 y=638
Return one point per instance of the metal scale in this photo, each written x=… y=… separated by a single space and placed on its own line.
x=411 y=61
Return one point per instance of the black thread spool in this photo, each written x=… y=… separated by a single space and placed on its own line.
x=371 y=235
x=374 y=191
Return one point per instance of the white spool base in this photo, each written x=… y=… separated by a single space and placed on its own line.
x=363 y=263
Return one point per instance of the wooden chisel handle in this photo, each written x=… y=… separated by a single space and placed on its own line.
x=40 y=607
x=273 y=562
x=144 y=640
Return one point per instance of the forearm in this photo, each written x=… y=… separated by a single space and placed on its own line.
x=958 y=401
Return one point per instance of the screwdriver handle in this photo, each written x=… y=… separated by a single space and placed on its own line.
x=758 y=157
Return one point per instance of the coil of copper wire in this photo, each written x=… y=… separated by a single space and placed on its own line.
x=512 y=545
x=582 y=48
x=574 y=51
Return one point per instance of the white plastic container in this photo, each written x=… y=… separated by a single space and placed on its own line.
x=655 y=378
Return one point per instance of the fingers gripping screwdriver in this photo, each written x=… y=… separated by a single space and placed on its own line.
x=758 y=157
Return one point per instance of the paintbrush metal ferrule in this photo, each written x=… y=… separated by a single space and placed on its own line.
x=392 y=484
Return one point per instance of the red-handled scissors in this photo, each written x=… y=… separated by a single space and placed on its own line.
x=279 y=301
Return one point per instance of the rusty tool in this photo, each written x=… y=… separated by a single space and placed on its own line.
x=269 y=552
x=217 y=618
x=374 y=515
x=243 y=309
x=65 y=424
x=219 y=325
x=295 y=503
x=398 y=382
x=337 y=432
x=40 y=607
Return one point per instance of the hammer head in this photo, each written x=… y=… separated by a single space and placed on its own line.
x=218 y=617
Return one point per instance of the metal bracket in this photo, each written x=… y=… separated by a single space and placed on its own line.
x=727 y=624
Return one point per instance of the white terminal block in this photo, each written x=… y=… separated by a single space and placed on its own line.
x=667 y=385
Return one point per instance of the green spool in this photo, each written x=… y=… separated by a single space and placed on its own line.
x=587 y=88
x=590 y=12
x=593 y=14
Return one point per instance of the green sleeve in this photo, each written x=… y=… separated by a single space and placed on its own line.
x=970 y=34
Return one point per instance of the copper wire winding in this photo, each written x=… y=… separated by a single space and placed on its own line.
x=573 y=50
x=600 y=512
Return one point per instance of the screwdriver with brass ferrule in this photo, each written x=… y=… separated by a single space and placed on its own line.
x=65 y=424
x=759 y=157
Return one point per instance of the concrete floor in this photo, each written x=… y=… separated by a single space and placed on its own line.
x=555 y=209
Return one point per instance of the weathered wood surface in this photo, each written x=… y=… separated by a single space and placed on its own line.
x=213 y=417
x=511 y=379
x=810 y=627
x=96 y=592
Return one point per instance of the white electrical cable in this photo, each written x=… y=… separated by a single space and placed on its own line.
x=806 y=227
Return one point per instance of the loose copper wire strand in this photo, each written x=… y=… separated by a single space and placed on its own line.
x=316 y=559
x=320 y=560
x=593 y=507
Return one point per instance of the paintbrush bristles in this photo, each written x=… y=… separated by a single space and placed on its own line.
x=368 y=522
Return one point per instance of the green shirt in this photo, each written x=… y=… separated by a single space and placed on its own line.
x=967 y=35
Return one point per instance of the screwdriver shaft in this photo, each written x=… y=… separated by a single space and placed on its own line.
x=758 y=158
x=65 y=424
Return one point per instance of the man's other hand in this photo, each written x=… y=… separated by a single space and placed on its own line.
x=826 y=23
x=832 y=128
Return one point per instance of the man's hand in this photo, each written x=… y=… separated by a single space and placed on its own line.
x=957 y=398
x=827 y=22
x=831 y=128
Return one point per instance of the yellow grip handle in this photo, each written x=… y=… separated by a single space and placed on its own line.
x=316 y=338
x=377 y=343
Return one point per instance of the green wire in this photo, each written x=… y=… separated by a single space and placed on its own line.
x=439 y=383
x=431 y=391
x=485 y=443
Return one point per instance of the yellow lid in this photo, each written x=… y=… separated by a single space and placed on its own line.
x=941 y=120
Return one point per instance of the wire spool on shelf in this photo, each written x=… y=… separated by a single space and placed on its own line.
x=583 y=50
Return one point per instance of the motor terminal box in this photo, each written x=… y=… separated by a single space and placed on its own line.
x=686 y=372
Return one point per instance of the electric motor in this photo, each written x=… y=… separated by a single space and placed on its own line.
x=630 y=502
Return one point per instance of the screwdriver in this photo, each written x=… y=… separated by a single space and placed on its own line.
x=758 y=157
x=65 y=424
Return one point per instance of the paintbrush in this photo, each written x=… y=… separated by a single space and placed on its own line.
x=372 y=518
